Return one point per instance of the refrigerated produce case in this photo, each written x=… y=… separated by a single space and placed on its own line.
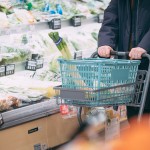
x=29 y=123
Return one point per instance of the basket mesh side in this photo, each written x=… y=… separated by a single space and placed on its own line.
x=94 y=75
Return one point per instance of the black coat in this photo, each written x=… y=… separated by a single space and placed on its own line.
x=117 y=26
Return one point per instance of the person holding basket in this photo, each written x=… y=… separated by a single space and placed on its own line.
x=126 y=27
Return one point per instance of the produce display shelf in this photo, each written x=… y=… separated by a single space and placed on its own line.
x=23 y=28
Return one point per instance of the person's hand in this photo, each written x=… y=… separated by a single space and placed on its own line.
x=104 y=51
x=136 y=53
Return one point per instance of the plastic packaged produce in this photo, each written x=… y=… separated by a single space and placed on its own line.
x=35 y=95
x=24 y=16
x=6 y=102
x=48 y=91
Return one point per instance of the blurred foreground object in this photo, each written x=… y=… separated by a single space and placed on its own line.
x=137 y=137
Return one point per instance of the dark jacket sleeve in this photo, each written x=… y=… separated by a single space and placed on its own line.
x=108 y=34
x=145 y=42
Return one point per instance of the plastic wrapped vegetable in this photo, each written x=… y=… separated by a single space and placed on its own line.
x=61 y=45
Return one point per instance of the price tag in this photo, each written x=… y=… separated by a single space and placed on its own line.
x=10 y=69
x=76 y=21
x=100 y=18
x=78 y=55
x=31 y=65
x=2 y=71
x=40 y=63
x=55 y=23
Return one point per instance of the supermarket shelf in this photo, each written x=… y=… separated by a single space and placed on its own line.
x=20 y=66
x=28 y=113
x=41 y=26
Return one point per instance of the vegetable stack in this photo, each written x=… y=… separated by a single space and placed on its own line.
x=61 y=45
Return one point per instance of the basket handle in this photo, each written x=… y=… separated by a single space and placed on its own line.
x=116 y=53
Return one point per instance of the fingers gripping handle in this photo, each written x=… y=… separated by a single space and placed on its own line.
x=116 y=53
x=95 y=54
x=127 y=54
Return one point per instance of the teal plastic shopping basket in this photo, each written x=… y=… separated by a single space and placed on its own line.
x=95 y=74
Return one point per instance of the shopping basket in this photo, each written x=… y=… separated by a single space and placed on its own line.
x=94 y=78
x=95 y=83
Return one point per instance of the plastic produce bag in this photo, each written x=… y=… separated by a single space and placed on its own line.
x=7 y=101
x=68 y=111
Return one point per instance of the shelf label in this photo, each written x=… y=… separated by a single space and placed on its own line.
x=32 y=63
x=55 y=23
x=78 y=55
x=2 y=71
x=10 y=69
x=40 y=63
x=76 y=21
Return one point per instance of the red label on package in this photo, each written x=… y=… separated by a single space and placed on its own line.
x=64 y=109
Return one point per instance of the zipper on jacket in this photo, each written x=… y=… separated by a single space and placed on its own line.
x=129 y=12
x=134 y=22
x=137 y=22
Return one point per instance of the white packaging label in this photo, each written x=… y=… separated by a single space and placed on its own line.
x=112 y=129
x=2 y=69
x=32 y=63
x=10 y=67
x=40 y=62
